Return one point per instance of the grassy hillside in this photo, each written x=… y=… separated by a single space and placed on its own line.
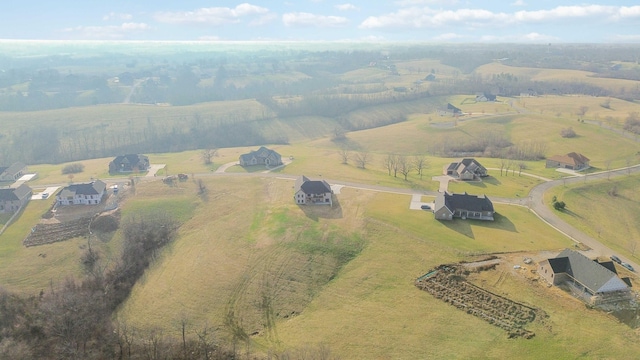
x=590 y=207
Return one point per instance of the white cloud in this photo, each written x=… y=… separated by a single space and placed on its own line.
x=346 y=7
x=448 y=36
x=426 y=17
x=264 y=19
x=626 y=38
x=519 y=3
x=107 y=32
x=302 y=19
x=426 y=2
x=212 y=15
x=117 y=16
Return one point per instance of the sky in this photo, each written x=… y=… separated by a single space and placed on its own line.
x=434 y=21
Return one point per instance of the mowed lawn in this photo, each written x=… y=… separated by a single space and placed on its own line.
x=372 y=310
x=590 y=207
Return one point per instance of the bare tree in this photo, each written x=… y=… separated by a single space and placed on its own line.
x=389 y=162
x=633 y=245
x=208 y=155
x=420 y=163
x=503 y=164
x=521 y=166
x=582 y=111
x=206 y=340
x=362 y=158
x=607 y=164
x=405 y=166
x=345 y=154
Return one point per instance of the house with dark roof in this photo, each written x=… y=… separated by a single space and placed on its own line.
x=485 y=97
x=12 y=199
x=464 y=206
x=262 y=156
x=314 y=192
x=572 y=161
x=129 y=163
x=13 y=172
x=592 y=281
x=465 y=169
x=82 y=193
x=449 y=110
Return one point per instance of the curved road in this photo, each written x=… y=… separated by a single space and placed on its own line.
x=535 y=201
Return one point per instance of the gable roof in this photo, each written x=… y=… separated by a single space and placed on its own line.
x=589 y=273
x=453 y=108
x=13 y=169
x=261 y=153
x=133 y=159
x=15 y=194
x=465 y=202
x=2 y=169
x=312 y=186
x=93 y=188
x=572 y=158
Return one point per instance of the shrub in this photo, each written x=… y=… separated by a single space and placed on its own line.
x=568 y=133
x=73 y=168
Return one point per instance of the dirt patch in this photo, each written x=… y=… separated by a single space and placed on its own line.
x=449 y=284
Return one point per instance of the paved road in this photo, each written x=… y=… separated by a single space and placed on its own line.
x=548 y=215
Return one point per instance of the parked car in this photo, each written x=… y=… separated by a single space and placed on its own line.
x=627 y=266
x=425 y=207
x=616 y=259
x=45 y=195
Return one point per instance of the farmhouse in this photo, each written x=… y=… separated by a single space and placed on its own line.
x=592 y=281
x=572 y=160
x=82 y=194
x=449 y=110
x=13 y=172
x=315 y=192
x=465 y=169
x=464 y=206
x=262 y=156
x=12 y=199
x=129 y=163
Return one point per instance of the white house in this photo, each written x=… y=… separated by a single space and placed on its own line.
x=82 y=194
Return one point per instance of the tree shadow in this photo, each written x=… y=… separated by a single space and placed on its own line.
x=569 y=212
x=316 y=212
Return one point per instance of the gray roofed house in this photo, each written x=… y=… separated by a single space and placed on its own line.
x=592 y=281
x=465 y=169
x=262 y=156
x=12 y=199
x=129 y=163
x=315 y=192
x=464 y=206
x=573 y=161
x=13 y=172
x=449 y=110
x=82 y=193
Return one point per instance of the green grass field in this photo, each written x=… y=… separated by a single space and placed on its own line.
x=589 y=208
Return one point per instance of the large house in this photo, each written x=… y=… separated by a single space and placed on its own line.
x=12 y=199
x=313 y=192
x=466 y=169
x=464 y=206
x=485 y=97
x=129 y=163
x=262 y=156
x=449 y=110
x=82 y=193
x=590 y=280
x=13 y=172
x=572 y=160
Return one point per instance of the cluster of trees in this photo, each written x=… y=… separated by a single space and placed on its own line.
x=632 y=123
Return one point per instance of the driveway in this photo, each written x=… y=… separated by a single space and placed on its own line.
x=154 y=168
x=444 y=182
